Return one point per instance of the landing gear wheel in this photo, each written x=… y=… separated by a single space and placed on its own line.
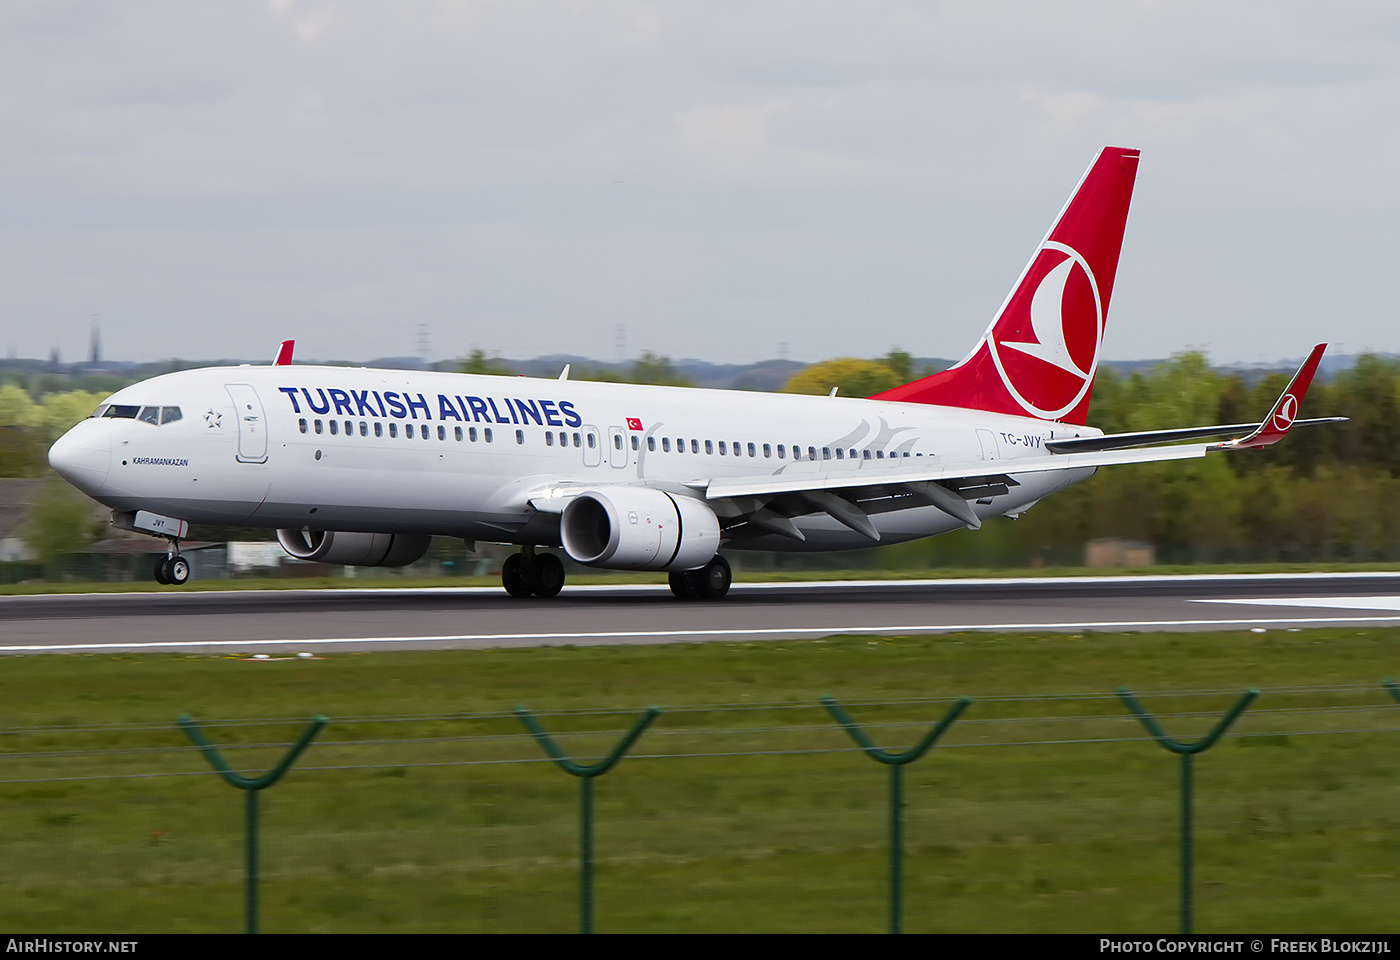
x=713 y=579
x=683 y=585
x=549 y=575
x=177 y=570
x=519 y=575
x=161 y=576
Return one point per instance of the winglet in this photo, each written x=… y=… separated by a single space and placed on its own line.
x=1285 y=411
x=284 y=354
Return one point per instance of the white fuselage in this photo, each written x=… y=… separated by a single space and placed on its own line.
x=346 y=449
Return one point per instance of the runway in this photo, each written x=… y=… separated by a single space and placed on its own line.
x=289 y=621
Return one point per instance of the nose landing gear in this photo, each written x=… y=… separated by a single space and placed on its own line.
x=172 y=569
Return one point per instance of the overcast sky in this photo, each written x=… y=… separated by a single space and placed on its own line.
x=720 y=179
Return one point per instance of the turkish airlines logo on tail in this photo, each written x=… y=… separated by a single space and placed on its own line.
x=1046 y=342
x=1287 y=413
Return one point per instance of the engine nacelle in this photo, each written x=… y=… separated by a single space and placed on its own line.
x=634 y=528
x=354 y=549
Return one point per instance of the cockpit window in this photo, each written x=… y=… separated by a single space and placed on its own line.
x=152 y=415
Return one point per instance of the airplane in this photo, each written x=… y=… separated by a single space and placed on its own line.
x=363 y=467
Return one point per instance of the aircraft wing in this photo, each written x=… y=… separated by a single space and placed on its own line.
x=850 y=491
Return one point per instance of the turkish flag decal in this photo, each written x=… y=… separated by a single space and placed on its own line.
x=633 y=423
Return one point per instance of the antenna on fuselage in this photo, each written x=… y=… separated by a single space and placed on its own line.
x=564 y=374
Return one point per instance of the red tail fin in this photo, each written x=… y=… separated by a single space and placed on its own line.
x=1039 y=355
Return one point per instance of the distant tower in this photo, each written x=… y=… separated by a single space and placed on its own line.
x=424 y=341
x=95 y=351
x=621 y=342
x=55 y=360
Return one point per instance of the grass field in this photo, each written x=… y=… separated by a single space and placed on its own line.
x=424 y=807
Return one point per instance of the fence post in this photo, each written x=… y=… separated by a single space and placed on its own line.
x=1186 y=752
x=896 y=762
x=585 y=773
x=250 y=788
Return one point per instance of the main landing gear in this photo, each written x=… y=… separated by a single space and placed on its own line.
x=528 y=574
x=710 y=582
x=172 y=569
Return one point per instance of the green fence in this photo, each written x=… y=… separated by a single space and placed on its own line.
x=1052 y=813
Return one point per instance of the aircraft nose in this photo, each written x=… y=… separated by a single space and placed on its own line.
x=82 y=457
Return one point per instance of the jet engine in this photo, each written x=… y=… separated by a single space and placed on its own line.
x=635 y=528
x=354 y=549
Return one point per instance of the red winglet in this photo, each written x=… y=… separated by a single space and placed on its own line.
x=1285 y=411
x=284 y=355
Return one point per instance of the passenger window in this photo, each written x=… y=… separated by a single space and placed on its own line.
x=812 y=453
x=617 y=441
x=592 y=440
x=721 y=448
x=442 y=432
x=471 y=434
x=457 y=434
x=393 y=430
x=578 y=441
x=520 y=436
x=665 y=444
x=301 y=424
x=680 y=445
x=364 y=429
x=709 y=446
x=781 y=455
x=378 y=429
x=866 y=454
x=486 y=434
x=549 y=438
x=335 y=428
x=169 y=415
x=753 y=451
x=879 y=454
x=651 y=444
x=318 y=427
x=839 y=455
x=767 y=451
x=636 y=442
x=150 y=415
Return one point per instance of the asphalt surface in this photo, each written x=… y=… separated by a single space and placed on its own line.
x=329 y=620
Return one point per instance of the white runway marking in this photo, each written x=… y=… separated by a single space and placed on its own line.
x=683 y=636
x=1330 y=603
